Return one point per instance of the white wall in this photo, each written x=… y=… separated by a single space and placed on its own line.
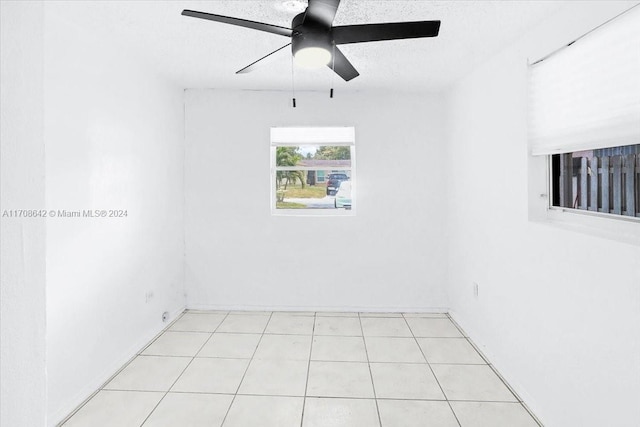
x=22 y=186
x=390 y=256
x=114 y=140
x=558 y=312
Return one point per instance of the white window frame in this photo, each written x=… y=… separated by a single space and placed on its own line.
x=296 y=136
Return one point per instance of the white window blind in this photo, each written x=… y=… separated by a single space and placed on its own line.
x=587 y=95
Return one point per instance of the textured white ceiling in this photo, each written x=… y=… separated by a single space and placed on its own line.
x=196 y=53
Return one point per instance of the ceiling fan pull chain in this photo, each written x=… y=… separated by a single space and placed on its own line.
x=293 y=86
x=333 y=68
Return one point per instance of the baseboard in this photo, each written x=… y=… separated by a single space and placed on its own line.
x=344 y=308
x=63 y=414
x=521 y=393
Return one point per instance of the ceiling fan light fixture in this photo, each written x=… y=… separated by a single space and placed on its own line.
x=312 y=57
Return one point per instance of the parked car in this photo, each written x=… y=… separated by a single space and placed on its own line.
x=333 y=182
x=343 y=195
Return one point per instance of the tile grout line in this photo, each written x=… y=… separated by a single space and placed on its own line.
x=432 y=372
x=495 y=371
x=326 y=397
x=373 y=386
x=184 y=370
x=224 y=420
x=127 y=363
x=306 y=385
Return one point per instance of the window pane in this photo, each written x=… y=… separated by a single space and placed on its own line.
x=303 y=189
x=602 y=180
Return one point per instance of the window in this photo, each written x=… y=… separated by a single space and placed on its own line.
x=584 y=106
x=308 y=167
x=602 y=180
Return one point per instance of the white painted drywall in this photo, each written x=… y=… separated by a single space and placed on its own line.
x=390 y=256
x=558 y=311
x=114 y=140
x=22 y=186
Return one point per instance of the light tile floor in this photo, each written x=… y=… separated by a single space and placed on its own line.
x=305 y=369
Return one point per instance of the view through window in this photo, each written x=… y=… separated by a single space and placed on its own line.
x=313 y=170
x=605 y=180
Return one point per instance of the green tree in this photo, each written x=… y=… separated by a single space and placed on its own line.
x=288 y=156
x=328 y=152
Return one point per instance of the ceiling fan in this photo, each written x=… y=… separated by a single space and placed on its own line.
x=314 y=39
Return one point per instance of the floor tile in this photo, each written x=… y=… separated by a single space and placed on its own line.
x=336 y=314
x=472 y=382
x=250 y=313
x=265 y=411
x=264 y=357
x=244 y=323
x=433 y=328
x=492 y=414
x=116 y=408
x=322 y=412
x=385 y=327
x=275 y=377
x=339 y=379
x=284 y=347
x=405 y=381
x=195 y=322
x=428 y=315
x=205 y=375
x=340 y=349
x=298 y=325
x=177 y=344
x=449 y=350
x=379 y=314
x=400 y=350
x=232 y=346
x=416 y=413
x=336 y=325
x=293 y=313
x=190 y=409
x=149 y=373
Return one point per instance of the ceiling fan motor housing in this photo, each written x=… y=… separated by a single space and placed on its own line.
x=309 y=34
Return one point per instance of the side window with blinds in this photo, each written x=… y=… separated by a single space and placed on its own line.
x=584 y=115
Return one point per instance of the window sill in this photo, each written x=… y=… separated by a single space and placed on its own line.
x=608 y=226
x=314 y=212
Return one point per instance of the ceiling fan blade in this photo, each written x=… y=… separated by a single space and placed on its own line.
x=387 y=31
x=322 y=11
x=342 y=66
x=254 y=64
x=274 y=29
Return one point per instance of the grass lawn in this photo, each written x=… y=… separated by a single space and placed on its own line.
x=308 y=192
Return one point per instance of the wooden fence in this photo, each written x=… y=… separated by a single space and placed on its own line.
x=601 y=184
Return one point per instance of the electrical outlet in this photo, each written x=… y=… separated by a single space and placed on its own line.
x=148 y=296
x=475 y=289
